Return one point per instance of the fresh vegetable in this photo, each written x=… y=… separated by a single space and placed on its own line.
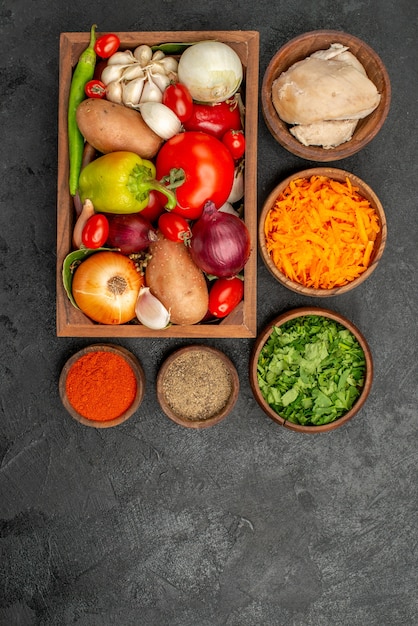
x=215 y=119
x=211 y=70
x=311 y=370
x=162 y=120
x=95 y=89
x=106 y=45
x=83 y=73
x=155 y=206
x=235 y=142
x=224 y=295
x=174 y=227
x=321 y=232
x=177 y=98
x=132 y=78
x=120 y=182
x=111 y=127
x=220 y=243
x=201 y=166
x=95 y=231
x=150 y=312
x=237 y=191
x=105 y=287
x=87 y=211
x=176 y=281
x=130 y=233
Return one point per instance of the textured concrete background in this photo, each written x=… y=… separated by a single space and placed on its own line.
x=246 y=523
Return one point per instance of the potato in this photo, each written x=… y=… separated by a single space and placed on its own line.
x=177 y=282
x=110 y=127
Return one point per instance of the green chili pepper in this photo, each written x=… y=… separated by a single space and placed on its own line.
x=83 y=72
x=120 y=182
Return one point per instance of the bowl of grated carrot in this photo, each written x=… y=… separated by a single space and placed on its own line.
x=322 y=232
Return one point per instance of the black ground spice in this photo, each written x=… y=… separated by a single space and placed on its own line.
x=197 y=385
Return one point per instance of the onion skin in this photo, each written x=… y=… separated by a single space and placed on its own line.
x=220 y=244
x=130 y=233
x=105 y=287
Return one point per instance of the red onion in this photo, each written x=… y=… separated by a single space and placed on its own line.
x=130 y=232
x=220 y=244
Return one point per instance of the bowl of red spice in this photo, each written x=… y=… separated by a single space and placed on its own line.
x=311 y=370
x=102 y=385
x=197 y=386
x=322 y=231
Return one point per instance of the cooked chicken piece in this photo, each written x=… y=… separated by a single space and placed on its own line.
x=328 y=85
x=327 y=134
x=337 y=49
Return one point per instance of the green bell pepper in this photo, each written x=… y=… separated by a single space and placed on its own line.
x=120 y=182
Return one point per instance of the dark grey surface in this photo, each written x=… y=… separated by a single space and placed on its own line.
x=246 y=523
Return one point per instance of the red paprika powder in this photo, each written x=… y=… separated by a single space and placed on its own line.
x=101 y=386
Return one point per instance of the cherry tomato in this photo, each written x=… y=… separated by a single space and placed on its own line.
x=106 y=45
x=224 y=296
x=235 y=142
x=177 y=98
x=208 y=168
x=96 y=231
x=95 y=89
x=215 y=119
x=155 y=206
x=174 y=227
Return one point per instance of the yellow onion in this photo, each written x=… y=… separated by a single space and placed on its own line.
x=105 y=287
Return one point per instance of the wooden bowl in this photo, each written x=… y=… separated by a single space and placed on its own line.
x=197 y=386
x=379 y=246
x=298 y=49
x=134 y=364
x=264 y=336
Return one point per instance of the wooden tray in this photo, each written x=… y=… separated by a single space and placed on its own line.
x=70 y=322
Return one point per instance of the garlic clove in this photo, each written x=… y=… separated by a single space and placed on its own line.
x=158 y=55
x=121 y=58
x=114 y=92
x=132 y=90
x=151 y=93
x=150 y=311
x=162 y=120
x=162 y=81
x=143 y=54
x=132 y=72
x=170 y=64
x=112 y=73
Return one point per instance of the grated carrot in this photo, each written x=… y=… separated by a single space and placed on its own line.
x=321 y=232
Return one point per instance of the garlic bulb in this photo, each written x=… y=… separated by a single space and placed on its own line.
x=139 y=76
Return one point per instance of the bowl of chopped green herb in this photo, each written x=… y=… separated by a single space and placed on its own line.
x=311 y=370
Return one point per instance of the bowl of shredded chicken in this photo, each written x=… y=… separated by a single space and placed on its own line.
x=325 y=95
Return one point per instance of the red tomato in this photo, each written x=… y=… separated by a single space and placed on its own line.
x=154 y=207
x=177 y=98
x=106 y=45
x=224 y=296
x=95 y=89
x=208 y=169
x=95 y=231
x=174 y=227
x=235 y=142
x=215 y=119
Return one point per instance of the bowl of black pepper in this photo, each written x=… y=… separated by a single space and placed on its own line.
x=197 y=386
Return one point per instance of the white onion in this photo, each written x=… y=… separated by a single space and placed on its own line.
x=211 y=70
x=162 y=120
